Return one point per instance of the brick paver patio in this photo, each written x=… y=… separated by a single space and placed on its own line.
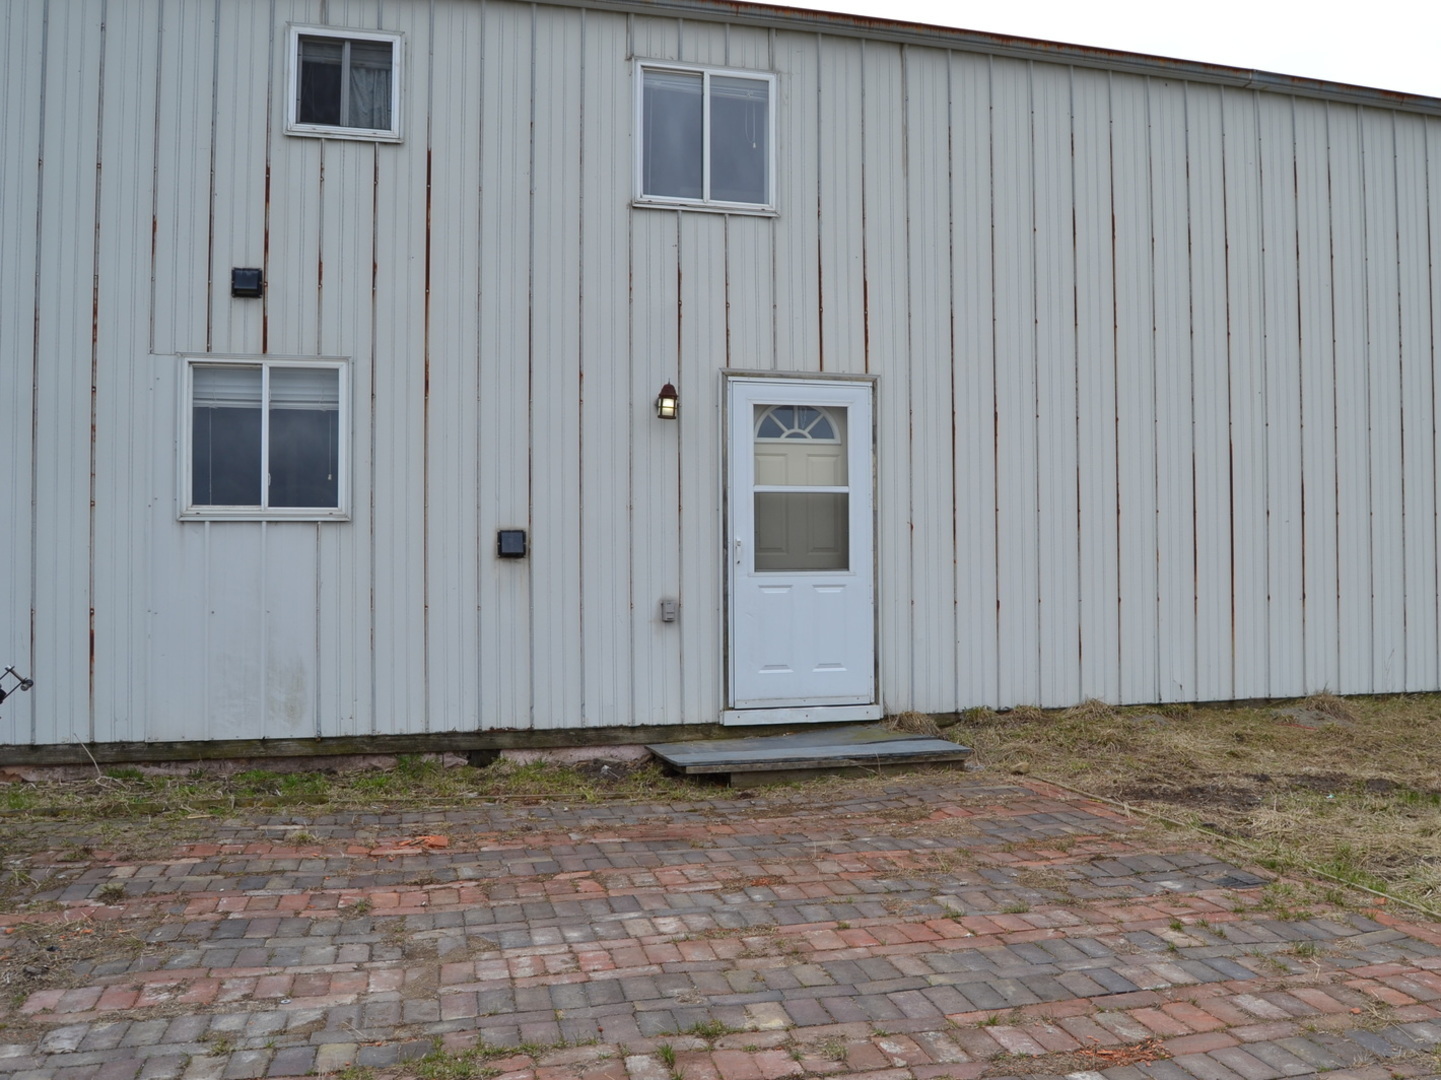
x=946 y=925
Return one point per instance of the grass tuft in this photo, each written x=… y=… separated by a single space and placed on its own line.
x=1025 y=714
x=710 y=1030
x=1092 y=710
x=1328 y=704
x=913 y=723
x=462 y=1065
x=981 y=714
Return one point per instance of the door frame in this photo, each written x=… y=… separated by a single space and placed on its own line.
x=793 y=714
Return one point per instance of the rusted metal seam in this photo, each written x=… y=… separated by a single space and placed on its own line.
x=95 y=369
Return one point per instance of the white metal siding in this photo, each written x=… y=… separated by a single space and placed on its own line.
x=1322 y=629
x=1136 y=430
x=1057 y=453
x=610 y=395
x=976 y=664
x=1155 y=399
x=1096 y=431
x=65 y=357
x=1014 y=312
x=22 y=38
x=1209 y=393
x=887 y=280
x=930 y=451
x=1418 y=419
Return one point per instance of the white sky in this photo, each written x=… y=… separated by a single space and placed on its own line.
x=1388 y=44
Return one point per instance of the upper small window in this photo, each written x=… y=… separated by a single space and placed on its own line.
x=344 y=83
x=706 y=138
x=265 y=440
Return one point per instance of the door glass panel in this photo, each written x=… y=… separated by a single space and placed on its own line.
x=801 y=446
x=802 y=530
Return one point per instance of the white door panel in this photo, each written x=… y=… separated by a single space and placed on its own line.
x=802 y=591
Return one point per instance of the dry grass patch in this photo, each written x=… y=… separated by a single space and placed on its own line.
x=1045 y=879
x=913 y=723
x=416 y=781
x=1328 y=704
x=1360 y=799
x=44 y=955
x=1091 y=710
x=54 y=830
x=1025 y=714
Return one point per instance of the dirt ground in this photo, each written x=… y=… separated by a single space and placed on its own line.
x=1346 y=788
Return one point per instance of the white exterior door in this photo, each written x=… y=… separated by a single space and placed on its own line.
x=801 y=536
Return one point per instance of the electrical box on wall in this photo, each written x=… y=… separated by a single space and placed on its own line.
x=669 y=609
x=510 y=543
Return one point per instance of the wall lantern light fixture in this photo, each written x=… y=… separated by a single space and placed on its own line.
x=667 y=403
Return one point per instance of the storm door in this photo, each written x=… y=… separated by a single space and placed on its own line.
x=802 y=574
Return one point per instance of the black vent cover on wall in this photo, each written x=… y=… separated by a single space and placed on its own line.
x=510 y=543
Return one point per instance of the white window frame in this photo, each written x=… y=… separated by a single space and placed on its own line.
x=190 y=511
x=293 y=126
x=766 y=209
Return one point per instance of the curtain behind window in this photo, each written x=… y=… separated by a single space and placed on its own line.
x=370 y=64
x=322 y=62
x=345 y=83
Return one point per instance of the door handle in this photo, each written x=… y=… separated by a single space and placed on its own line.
x=738 y=550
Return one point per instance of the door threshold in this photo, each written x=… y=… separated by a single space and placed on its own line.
x=801 y=714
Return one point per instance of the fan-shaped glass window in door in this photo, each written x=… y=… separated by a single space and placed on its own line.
x=795 y=422
x=802 y=497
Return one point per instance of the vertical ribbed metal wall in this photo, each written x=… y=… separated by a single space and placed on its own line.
x=1155 y=401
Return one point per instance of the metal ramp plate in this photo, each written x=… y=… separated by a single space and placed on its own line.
x=867 y=748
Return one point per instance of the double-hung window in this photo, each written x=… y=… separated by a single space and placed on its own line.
x=706 y=138
x=265 y=440
x=344 y=83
